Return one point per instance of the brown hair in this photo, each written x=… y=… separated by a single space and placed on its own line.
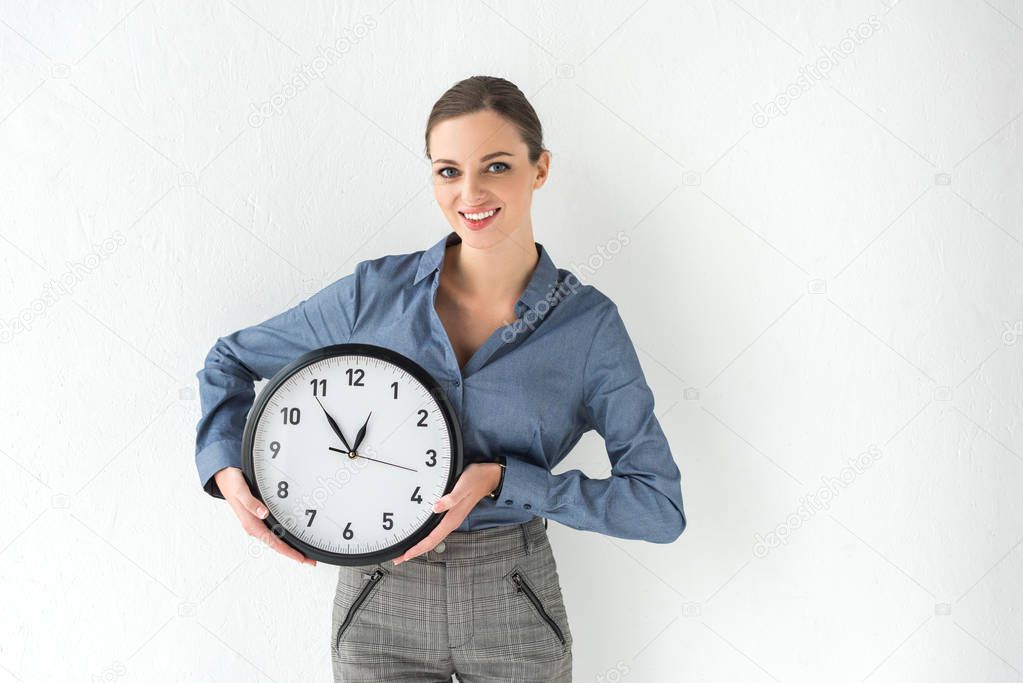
x=495 y=94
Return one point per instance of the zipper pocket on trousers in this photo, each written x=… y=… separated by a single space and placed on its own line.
x=524 y=587
x=373 y=580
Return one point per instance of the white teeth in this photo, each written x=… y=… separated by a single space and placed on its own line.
x=480 y=216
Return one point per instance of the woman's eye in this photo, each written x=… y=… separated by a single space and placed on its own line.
x=442 y=174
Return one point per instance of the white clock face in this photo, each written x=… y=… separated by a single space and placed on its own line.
x=351 y=498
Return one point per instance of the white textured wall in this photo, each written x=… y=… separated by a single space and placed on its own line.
x=838 y=279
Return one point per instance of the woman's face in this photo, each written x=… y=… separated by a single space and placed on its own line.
x=480 y=163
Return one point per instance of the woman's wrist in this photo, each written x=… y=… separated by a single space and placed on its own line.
x=499 y=470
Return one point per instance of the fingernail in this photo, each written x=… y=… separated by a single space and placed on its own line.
x=262 y=512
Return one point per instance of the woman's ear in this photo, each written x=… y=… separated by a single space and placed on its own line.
x=543 y=165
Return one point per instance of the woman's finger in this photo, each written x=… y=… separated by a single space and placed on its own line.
x=260 y=531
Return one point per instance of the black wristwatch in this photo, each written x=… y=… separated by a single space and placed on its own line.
x=496 y=493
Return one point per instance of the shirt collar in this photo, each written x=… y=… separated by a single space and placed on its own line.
x=541 y=283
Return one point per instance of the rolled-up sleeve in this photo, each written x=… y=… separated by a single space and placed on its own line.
x=642 y=499
x=238 y=360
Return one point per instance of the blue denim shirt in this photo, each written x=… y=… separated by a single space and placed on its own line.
x=565 y=366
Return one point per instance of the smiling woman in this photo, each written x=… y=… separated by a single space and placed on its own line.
x=489 y=160
x=480 y=595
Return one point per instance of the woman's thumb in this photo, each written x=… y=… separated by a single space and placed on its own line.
x=233 y=485
x=252 y=504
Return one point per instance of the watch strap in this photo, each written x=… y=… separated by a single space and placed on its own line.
x=496 y=493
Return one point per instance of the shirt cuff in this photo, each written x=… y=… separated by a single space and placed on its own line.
x=525 y=486
x=215 y=457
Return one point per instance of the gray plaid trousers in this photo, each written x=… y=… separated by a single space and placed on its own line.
x=485 y=605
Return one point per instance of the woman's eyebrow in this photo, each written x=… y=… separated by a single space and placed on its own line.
x=482 y=158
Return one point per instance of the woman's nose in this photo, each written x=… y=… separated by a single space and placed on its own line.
x=472 y=190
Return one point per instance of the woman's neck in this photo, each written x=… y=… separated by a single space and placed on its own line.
x=499 y=273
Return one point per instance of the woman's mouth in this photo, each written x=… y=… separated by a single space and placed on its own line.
x=477 y=220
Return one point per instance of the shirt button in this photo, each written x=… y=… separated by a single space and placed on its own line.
x=440 y=547
x=527 y=506
x=508 y=502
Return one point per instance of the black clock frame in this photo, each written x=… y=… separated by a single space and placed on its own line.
x=371 y=351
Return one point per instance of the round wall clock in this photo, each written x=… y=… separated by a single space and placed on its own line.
x=349 y=447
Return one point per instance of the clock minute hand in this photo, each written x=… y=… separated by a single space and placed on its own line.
x=334 y=425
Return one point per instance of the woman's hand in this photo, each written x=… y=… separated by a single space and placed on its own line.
x=476 y=482
x=251 y=512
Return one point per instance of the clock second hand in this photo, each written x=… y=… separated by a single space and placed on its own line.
x=357 y=455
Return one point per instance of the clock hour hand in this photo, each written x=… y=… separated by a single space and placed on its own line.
x=362 y=433
x=334 y=425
